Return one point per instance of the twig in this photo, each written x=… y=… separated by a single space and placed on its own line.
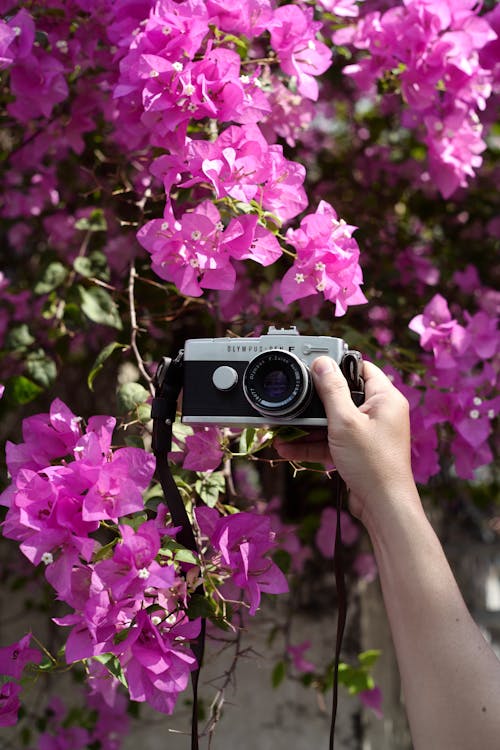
x=218 y=701
x=134 y=329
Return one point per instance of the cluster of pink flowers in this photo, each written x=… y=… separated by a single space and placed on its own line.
x=181 y=74
x=240 y=544
x=13 y=660
x=461 y=385
x=129 y=597
x=432 y=47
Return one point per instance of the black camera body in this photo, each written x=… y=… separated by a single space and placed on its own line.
x=263 y=380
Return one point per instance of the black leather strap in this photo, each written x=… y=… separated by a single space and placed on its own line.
x=338 y=565
x=351 y=368
x=168 y=385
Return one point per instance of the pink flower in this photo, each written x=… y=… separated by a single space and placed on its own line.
x=325 y=536
x=372 y=699
x=14 y=658
x=250 y=18
x=439 y=333
x=158 y=660
x=243 y=541
x=203 y=449
x=133 y=567
x=482 y=334
x=9 y=704
x=341 y=8
x=195 y=252
x=7 y=36
x=327 y=261
x=241 y=164
x=70 y=738
x=119 y=486
x=297 y=655
x=293 y=37
x=467 y=460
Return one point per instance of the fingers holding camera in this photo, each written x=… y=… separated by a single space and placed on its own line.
x=369 y=445
x=333 y=390
x=311 y=448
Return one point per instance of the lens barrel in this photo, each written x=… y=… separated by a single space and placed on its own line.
x=277 y=384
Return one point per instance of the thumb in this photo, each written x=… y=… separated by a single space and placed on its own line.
x=333 y=391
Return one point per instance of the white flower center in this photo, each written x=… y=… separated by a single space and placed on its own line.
x=474 y=414
x=299 y=278
x=143 y=573
x=178 y=66
x=47 y=558
x=153 y=74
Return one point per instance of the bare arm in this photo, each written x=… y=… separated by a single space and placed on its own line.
x=450 y=676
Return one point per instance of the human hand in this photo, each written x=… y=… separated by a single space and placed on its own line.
x=369 y=445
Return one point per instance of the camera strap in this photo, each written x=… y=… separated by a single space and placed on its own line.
x=168 y=385
x=351 y=369
x=338 y=566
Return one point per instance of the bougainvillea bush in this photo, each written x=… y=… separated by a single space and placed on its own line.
x=203 y=168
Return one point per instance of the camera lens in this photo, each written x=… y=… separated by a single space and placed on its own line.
x=277 y=384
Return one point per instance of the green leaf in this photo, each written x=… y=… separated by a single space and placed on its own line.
x=200 y=606
x=210 y=486
x=105 y=552
x=144 y=413
x=19 y=338
x=96 y=222
x=134 y=521
x=94 y=265
x=21 y=390
x=172 y=549
x=181 y=431
x=278 y=674
x=54 y=275
x=111 y=662
x=283 y=560
x=101 y=358
x=42 y=368
x=134 y=441
x=368 y=658
x=246 y=439
x=25 y=736
x=99 y=306
x=186 y=556
x=130 y=396
x=290 y=433
x=155 y=491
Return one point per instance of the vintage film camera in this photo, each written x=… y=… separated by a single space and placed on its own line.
x=264 y=380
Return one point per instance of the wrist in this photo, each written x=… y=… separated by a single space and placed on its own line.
x=391 y=511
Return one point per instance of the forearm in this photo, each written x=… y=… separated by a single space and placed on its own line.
x=450 y=676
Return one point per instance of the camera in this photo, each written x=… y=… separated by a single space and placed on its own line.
x=263 y=380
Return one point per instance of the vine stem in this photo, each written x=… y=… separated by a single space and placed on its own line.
x=134 y=328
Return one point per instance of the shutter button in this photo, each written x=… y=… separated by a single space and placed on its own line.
x=224 y=378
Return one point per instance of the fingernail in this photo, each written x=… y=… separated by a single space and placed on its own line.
x=323 y=366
